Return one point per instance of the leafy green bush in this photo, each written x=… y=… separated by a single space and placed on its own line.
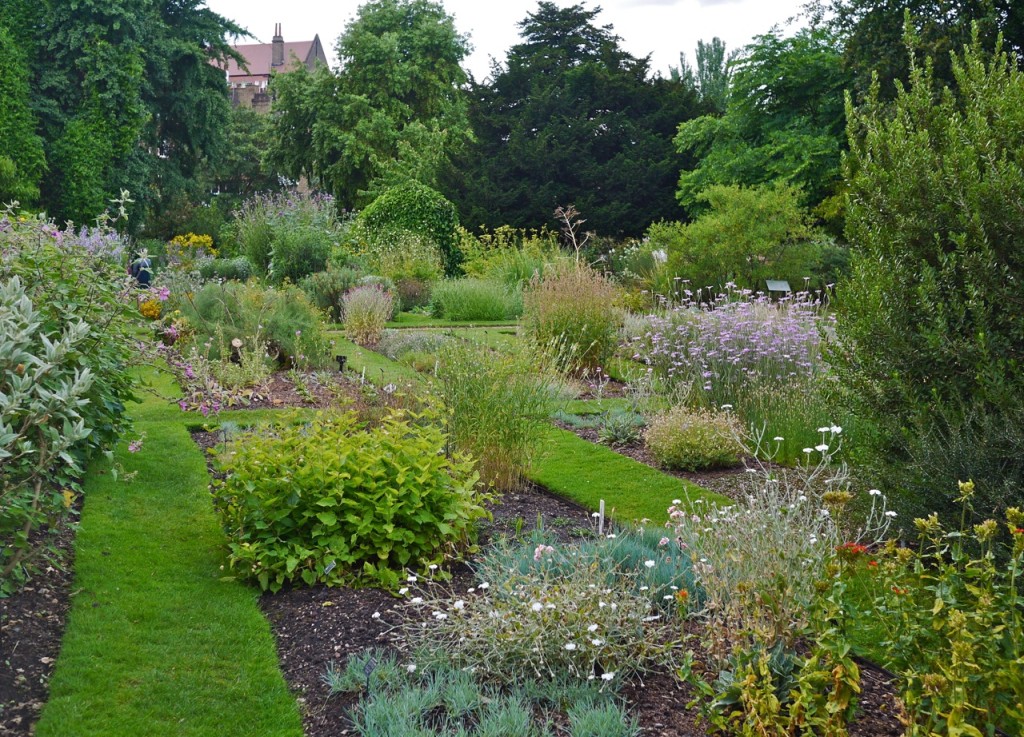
x=474 y=299
x=570 y=310
x=958 y=656
x=365 y=312
x=288 y=235
x=326 y=289
x=498 y=406
x=749 y=234
x=418 y=209
x=929 y=331
x=297 y=252
x=334 y=501
x=65 y=357
x=691 y=440
x=282 y=319
x=228 y=269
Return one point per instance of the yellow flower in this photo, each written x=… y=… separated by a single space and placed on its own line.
x=69 y=498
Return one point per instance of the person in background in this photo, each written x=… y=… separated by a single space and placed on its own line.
x=141 y=270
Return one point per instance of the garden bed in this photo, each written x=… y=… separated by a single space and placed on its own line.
x=318 y=627
x=31 y=627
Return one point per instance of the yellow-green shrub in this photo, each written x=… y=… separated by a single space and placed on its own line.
x=335 y=501
x=690 y=440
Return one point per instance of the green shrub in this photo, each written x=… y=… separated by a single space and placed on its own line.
x=498 y=406
x=326 y=289
x=66 y=350
x=365 y=312
x=749 y=234
x=418 y=209
x=297 y=252
x=228 y=269
x=335 y=501
x=929 y=329
x=282 y=319
x=289 y=235
x=396 y=344
x=474 y=299
x=691 y=440
x=571 y=311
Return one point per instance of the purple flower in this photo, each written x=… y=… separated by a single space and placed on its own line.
x=163 y=293
x=204 y=409
x=135 y=446
x=184 y=405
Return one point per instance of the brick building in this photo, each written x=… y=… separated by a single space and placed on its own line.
x=248 y=82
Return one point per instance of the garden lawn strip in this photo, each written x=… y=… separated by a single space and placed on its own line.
x=413 y=320
x=594 y=406
x=158 y=640
x=379 y=370
x=588 y=473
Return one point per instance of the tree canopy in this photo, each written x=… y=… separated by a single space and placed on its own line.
x=392 y=113
x=570 y=117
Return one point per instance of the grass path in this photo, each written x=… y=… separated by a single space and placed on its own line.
x=157 y=643
x=587 y=473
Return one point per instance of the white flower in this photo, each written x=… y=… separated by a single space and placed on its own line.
x=778 y=438
x=597 y=642
x=375 y=615
x=813 y=539
x=835 y=429
x=726 y=406
x=536 y=606
x=411 y=579
x=822 y=448
x=890 y=513
x=874 y=492
x=611 y=536
x=485 y=585
x=644 y=588
x=470 y=590
x=677 y=501
x=608 y=676
x=416 y=600
x=411 y=668
x=570 y=646
x=440 y=616
x=433 y=566
x=460 y=604
x=549 y=606
x=595 y=515
x=808 y=450
x=667 y=597
x=650 y=563
x=592 y=628
x=403 y=591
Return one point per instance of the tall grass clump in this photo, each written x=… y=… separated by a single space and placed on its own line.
x=497 y=408
x=366 y=310
x=570 y=311
x=475 y=299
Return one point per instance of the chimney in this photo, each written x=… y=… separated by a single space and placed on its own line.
x=277 y=48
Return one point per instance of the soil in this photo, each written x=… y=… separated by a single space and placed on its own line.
x=320 y=627
x=31 y=628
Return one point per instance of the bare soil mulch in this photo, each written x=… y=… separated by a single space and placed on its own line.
x=31 y=627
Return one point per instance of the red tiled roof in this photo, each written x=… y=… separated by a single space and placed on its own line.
x=258 y=57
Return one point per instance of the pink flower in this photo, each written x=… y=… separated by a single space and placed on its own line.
x=163 y=294
x=663 y=541
x=183 y=405
x=135 y=446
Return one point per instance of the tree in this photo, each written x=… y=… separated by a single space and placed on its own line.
x=931 y=324
x=784 y=122
x=711 y=78
x=391 y=114
x=570 y=118
x=21 y=150
x=747 y=235
x=123 y=95
x=872 y=34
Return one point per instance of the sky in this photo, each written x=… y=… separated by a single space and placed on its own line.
x=661 y=28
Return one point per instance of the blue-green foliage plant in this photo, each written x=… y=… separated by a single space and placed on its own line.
x=336 y=501
x=65 y=370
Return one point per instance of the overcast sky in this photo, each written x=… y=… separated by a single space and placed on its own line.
x=661 y=28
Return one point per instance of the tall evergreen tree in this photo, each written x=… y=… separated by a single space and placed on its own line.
x=21 y=149
x=570 y=117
